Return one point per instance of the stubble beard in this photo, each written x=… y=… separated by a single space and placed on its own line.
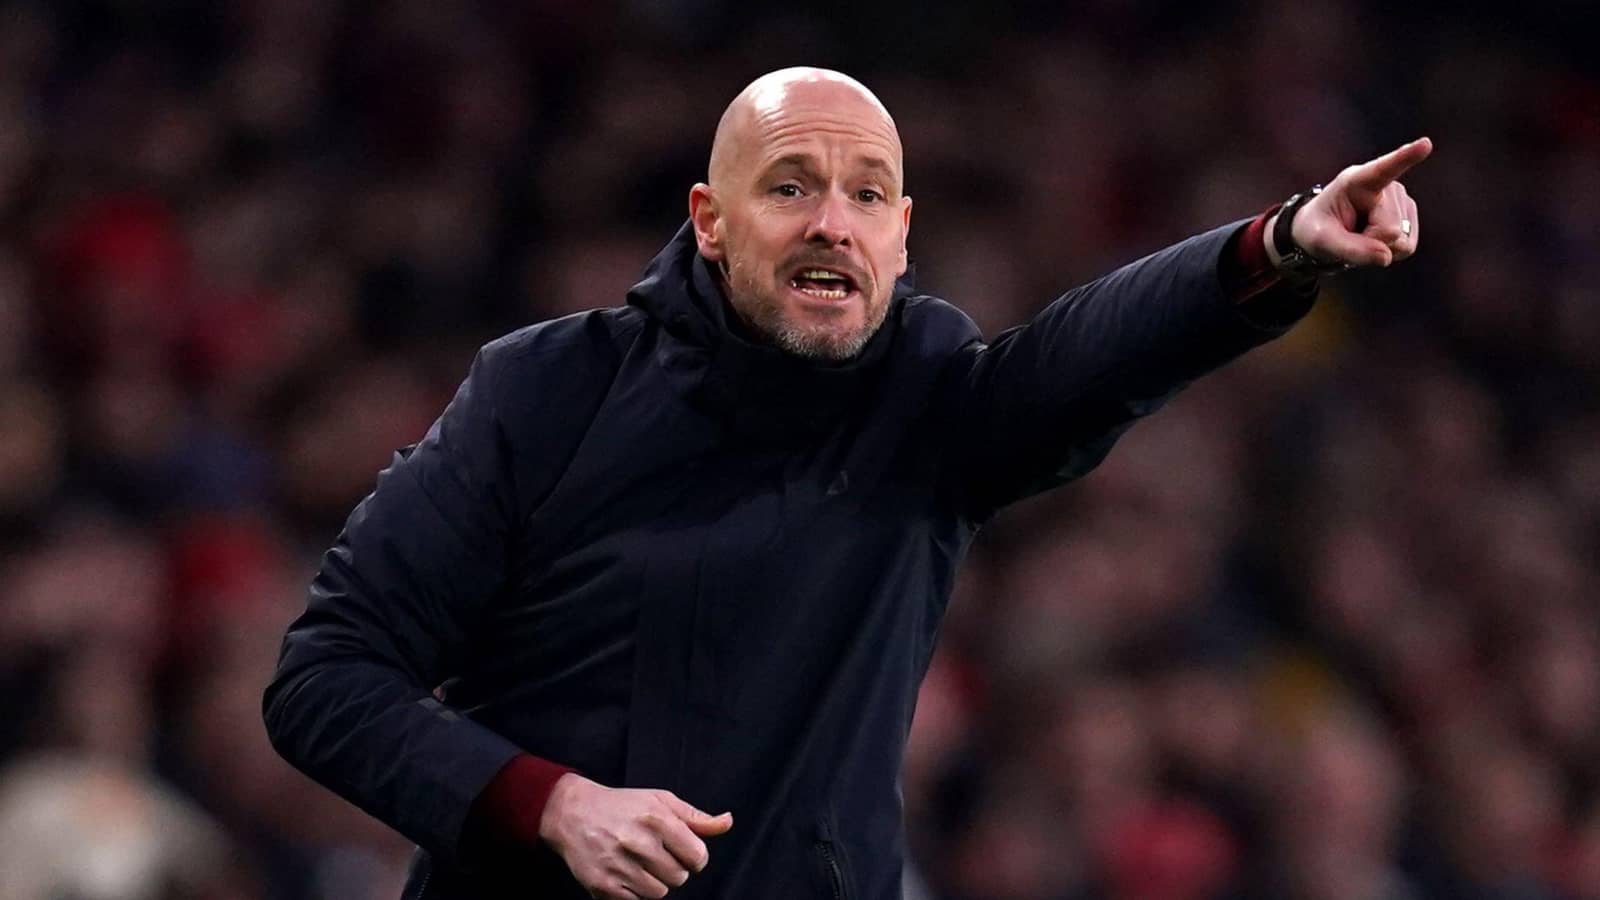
x=764 y=314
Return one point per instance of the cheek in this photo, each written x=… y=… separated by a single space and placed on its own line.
x=755 y=250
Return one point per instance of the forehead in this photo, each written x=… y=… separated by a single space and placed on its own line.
x=820 y=119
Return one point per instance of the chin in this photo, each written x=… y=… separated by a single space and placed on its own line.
x=826 y=344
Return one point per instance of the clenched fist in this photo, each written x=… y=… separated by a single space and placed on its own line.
x=624 y=843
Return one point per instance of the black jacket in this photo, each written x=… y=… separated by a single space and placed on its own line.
x=640 y=546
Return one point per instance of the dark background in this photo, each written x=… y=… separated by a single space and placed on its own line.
x=1323 y=629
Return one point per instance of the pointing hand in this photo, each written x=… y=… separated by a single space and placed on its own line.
x=1364 y=217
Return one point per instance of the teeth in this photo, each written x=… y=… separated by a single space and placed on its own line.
x=826 y=295
x=829 y=293
x=820 y=275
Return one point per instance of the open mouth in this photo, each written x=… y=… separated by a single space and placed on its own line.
x=824 y=284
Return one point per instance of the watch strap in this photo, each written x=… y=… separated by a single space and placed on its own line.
x=1294 y=260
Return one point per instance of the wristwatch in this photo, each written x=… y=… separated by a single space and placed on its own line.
x=1294 y=261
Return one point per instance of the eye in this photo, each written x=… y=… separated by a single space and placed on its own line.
x=787 y=189
x=868 y=195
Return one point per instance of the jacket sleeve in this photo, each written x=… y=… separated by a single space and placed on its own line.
x=1044 y=403
x=351 y=702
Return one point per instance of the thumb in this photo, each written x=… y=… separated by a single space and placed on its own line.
x=710 y=826
x=699 y=821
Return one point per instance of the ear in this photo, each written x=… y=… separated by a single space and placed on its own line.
x=707 y=221
x=905 y=234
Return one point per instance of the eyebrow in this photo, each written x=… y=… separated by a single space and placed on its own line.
x=807 y=161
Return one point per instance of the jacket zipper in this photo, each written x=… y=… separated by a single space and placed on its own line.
x=835 y=877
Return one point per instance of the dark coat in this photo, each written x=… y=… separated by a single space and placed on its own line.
x=640 y=546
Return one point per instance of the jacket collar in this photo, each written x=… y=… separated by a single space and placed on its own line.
x=754 y=387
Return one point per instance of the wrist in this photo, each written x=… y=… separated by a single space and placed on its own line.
x=561 y=797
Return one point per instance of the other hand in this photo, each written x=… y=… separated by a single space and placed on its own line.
x=1364 y=217
x=627 y=843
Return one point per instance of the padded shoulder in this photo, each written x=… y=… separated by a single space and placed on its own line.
x=546 y=381
x=586 y=339
x=937 y=328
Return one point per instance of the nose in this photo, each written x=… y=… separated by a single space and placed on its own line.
x=830 y=224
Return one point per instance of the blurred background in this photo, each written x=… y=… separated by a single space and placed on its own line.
x=1324 y=629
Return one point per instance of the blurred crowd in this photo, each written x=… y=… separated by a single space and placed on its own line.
x=1324 y=629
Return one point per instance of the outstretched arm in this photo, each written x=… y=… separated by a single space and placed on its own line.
x=1045 y=401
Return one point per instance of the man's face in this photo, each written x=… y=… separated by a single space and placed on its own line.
x=807 y=218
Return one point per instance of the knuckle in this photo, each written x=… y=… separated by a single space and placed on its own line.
x=621 y=858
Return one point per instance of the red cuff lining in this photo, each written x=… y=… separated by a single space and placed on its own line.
x=512 y=804
x=1250 y=270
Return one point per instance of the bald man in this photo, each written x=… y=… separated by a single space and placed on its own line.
x=646 y=610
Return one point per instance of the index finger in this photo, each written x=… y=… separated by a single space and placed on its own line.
x=1379 y=173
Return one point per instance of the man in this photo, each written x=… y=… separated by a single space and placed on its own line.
x=691 y=554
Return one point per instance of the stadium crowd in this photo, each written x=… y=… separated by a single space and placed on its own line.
x=1324 y=629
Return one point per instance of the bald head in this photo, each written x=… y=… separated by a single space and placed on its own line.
x=778 y=98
